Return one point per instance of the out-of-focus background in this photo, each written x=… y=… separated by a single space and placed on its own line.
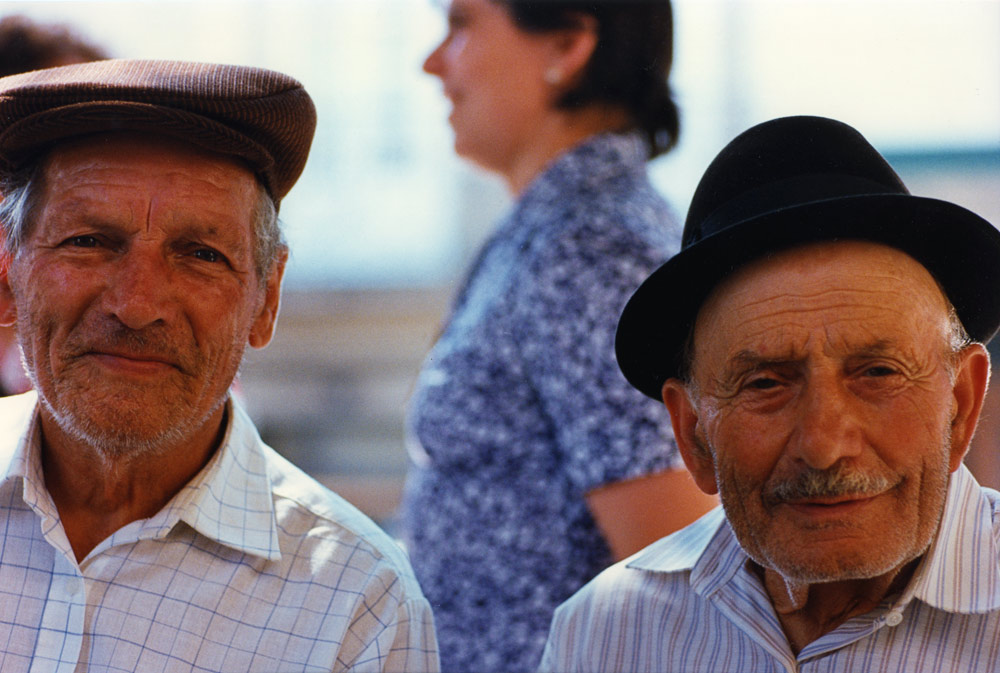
x=385 y=218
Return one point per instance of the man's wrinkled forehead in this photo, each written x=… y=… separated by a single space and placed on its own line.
x=848 y=290
x=131 y=156
x=123 y=143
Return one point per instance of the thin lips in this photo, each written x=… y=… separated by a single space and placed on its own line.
x=833 y=500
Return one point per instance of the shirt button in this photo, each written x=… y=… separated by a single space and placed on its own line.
x=73 y=585
x=894 y=618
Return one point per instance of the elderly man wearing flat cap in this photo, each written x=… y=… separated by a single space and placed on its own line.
x=818 y=342
x=144 y=526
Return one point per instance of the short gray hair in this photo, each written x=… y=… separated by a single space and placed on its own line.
x=22 y=193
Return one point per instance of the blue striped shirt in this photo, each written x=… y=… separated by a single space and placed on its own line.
x=252 y=566
x=690 y=603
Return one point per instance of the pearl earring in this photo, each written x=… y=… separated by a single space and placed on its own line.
x=553 y=76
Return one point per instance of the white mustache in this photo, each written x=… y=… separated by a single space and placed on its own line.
x=835 y=481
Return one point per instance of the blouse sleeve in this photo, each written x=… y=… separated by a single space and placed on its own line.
x=569 y=301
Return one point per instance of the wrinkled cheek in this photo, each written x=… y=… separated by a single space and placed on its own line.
x=743 y=452
x=739 y=489
x=932 y=493
x=33 y=343
x=220 y=363
x=52 y=372
x=35 y=325
x=744 y=511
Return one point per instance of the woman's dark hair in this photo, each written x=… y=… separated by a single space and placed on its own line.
x=630 y=65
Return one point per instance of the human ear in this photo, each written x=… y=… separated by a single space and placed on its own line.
x=8 y=311
x=972 y=376
x=573 y=48
x=267 y=315
x=684 y=418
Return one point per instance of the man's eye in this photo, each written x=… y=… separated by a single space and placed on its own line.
x=84 y=242
x=762 y=384
x=879 y=371
x=206 y=255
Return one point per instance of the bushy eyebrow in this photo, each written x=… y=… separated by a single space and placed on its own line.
x=748 y=361
x=878 y=348
x=64 y=219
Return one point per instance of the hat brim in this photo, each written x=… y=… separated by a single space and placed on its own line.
x=959 y=248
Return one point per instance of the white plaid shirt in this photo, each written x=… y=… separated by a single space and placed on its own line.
x=689 y=603
x=252 y=566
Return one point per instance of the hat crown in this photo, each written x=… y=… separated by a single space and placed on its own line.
x=262 y=117
x=791 y=182
x=785 y=163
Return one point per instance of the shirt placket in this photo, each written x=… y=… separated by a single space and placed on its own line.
x=744 y=602
x=60 y=637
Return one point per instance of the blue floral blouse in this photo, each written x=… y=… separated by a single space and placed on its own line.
x=520 y=408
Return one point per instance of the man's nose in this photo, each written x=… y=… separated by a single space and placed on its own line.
x=138 y=291
x=827 y=427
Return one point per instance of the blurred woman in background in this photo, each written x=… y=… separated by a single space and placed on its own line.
x=535 y=464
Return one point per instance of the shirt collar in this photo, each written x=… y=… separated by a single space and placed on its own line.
x=960 y=572
x=228 y=501
x=687 y=548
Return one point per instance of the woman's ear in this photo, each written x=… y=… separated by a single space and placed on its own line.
x=684 y=418
x=573 y=49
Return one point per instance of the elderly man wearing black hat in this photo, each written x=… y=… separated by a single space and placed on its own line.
x=818 y=342
x=144 y=526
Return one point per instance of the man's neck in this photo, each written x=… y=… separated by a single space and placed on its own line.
x=808 y=611
x=97 y=494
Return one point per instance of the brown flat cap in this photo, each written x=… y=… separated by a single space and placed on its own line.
x=263 y=117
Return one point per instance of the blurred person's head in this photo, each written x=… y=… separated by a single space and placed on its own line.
x=631 y=62
x=528 y=80
x=27 y=45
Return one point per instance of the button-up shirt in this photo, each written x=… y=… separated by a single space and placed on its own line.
x=252 y=566
x=690 y=602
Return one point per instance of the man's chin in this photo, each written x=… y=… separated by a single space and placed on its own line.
x=119 y=442
x=121 y=429
x=842 y=567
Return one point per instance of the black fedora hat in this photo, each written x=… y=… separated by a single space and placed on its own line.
x=788 y=182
